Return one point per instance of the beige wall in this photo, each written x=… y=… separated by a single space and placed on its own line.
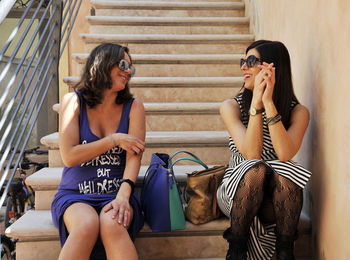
x=316 y=32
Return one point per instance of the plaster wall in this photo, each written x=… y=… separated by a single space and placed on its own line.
x=316 y=33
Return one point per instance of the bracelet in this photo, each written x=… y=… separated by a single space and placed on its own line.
x=114 y=144
x=273 y=120
x=131 y=183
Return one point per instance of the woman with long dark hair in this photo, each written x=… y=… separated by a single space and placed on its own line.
x=261 y=191
x=101 y=140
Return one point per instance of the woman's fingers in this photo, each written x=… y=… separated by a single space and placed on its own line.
x=108 y=207
x=126 y=218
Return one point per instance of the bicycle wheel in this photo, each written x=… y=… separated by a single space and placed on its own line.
x=8 y=209
x=6 y=248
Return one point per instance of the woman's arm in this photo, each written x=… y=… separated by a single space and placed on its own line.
x=287 y=142
x=249 y=141
x=137 y=128
x=72 y=152
x=120 y=205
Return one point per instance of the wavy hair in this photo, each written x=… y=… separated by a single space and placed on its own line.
x=283 y=94
x=96 y=75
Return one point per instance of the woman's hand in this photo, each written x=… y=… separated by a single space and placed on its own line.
x=129 y=143
x=121 y=210
x=258 y=91
x=268 y=75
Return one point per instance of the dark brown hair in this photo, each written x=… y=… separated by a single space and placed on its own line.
x=96 y=76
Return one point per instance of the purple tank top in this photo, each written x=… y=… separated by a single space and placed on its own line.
x=100 y=175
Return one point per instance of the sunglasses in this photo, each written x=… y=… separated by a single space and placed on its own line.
x=251 y=61
x=124 y=65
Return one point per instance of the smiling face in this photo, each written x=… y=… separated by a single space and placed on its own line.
x=120 y=78
x=250 y=73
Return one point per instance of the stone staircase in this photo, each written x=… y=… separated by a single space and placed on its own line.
x=186 y=55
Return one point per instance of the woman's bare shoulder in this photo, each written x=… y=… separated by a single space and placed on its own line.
x=300 y=112
x=71 y=101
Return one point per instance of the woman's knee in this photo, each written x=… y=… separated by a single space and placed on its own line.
x=255 y=176
x=111 y=226
x=82 y=220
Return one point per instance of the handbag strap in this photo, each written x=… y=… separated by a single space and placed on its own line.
x=189 y=159
x=189 y=153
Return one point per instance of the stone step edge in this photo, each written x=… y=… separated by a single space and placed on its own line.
x=36 y=225
x=166 y=21
x=41 y=228
x=168 y=38
x=175 y=58
x=175 y=108
x=167 y=139
x=49 y=178
x=162 y=5
x=196 y=82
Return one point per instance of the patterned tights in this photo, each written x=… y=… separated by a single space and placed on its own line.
x=256 y=191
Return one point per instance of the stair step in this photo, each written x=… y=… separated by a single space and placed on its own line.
x=167 y=25
x=177 y=108
x=209 y=146
x=168 y=5
x=180 y=89
x=175 y=82
x=167 y=21
x=175 y=58
x=166 y=139
x=45 y=182
x=168 y=38
x=158 y=65
x=186 y=116
x=36 y=226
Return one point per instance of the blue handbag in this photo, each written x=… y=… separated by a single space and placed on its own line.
x=160 y=198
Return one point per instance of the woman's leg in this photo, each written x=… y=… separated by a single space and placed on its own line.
x=245 y=206
x=82 y=223
x=115 y=238
x=247 y=200
x=287 y=203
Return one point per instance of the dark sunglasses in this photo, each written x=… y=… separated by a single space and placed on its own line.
x=124 y=65
x=251 y=61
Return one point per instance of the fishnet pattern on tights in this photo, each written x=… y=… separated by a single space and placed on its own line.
x=247 y=200
x=287 y=204
x=287 y=201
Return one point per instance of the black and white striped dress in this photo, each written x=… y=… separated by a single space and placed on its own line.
x=261 y=244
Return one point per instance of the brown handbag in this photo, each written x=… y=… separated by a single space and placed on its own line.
x=200 y=194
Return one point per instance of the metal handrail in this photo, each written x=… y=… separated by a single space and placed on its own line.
x=21 y=101
x=5 y=8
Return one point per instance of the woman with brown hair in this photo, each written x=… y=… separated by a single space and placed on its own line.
x=101 y=140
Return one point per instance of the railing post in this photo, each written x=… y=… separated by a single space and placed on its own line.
x=48 y=119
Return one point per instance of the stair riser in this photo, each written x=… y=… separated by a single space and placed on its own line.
x=209 y=155
x=214 y=94
x=191 y=0
x=184 y=123
x=178 y=48
x=169 y=13
x=44 y=198
x=184 y=70
x=172 y=29
x=164 y=248
x=181 y=247
x=38 y=250
x=185 y=94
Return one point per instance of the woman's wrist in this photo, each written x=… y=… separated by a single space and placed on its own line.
x=125 y=191
x=115 y=139
x=257 y=104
